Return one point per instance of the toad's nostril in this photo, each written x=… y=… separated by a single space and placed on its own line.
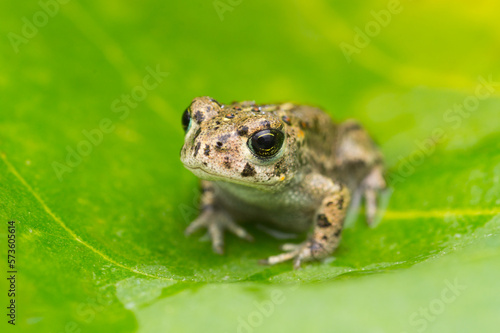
x=206 y=151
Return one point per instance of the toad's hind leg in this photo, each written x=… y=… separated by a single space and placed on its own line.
x=371 y=186
x=359 y=164
x=328 y=222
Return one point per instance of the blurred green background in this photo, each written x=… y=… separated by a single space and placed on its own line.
x=99 y=224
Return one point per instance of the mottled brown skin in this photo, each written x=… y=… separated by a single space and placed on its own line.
x=309 y=182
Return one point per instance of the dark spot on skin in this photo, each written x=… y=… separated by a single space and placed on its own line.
x=304 y=125
x=230 y=115
x=217 y=122
x=255 y=108
x=266 y=124
x=243 y=130
x=196 y=148
x=340 y=203
x=337 y=233
x=198 y=116
x=218 y=145
x=216 y=128
x=206 y=151
x=329 y=204
x=279 y=169
x=352 y=127
x=227 y=162
x=223 y=138
x=237 y=109
x=325 y=238
x=208 y=108
x=322 y=221
x=248 y=171
x=286 y=119
x=216 y=102
x=198 y=131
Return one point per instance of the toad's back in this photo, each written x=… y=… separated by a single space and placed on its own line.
x=342 y=151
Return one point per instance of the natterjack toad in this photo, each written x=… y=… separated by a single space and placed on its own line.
x=286 y=165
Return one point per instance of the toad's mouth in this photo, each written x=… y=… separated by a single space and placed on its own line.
x=206 y=175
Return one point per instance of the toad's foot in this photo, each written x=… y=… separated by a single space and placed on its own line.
x=326 y=235
x=216 y=222
x=307 y=251
x=370 y=187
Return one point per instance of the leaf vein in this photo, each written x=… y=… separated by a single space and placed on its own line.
x=77 y=238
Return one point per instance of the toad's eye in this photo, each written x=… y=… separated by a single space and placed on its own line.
x=186 y=120
x=266 y=143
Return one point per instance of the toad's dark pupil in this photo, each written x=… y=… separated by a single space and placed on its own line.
x=186 y=120
x=267 y=142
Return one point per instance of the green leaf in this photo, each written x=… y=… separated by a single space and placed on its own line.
x=100 y=199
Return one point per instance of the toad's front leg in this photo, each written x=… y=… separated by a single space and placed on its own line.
x=215 y=220
x=328 y=222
